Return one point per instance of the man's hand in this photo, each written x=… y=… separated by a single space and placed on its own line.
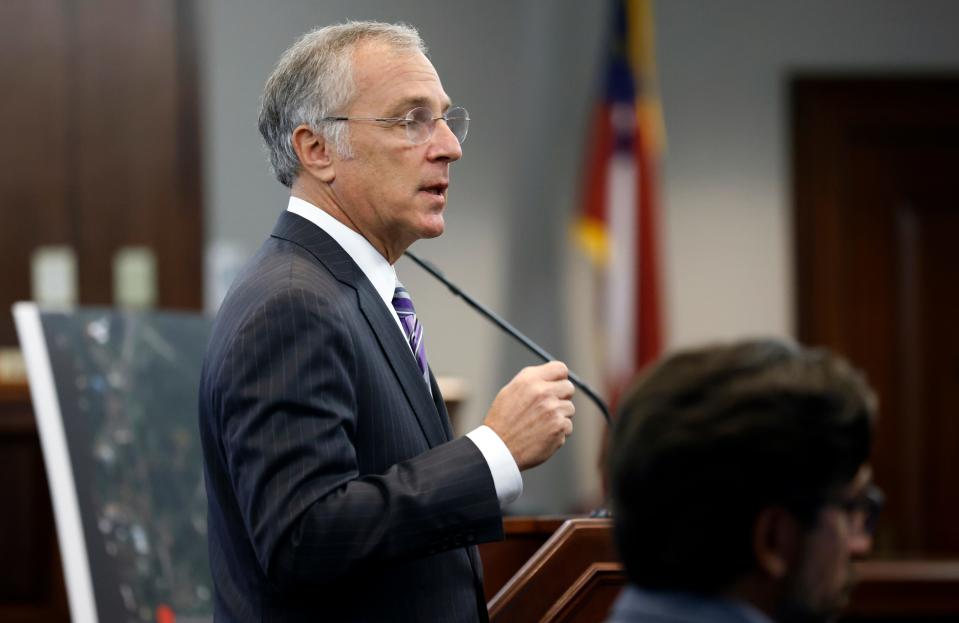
x=532 y=413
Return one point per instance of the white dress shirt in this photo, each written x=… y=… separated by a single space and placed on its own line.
x=506 y=475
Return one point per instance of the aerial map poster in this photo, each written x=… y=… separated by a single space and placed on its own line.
x=116 y=410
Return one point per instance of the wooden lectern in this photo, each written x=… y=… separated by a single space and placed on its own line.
x=552 y=570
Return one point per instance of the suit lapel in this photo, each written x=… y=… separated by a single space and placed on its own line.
x=440 y=405
x=302 y=232
x=404 y=364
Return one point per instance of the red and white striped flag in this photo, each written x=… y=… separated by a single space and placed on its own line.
x=618 y=225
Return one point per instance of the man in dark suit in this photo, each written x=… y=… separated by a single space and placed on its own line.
x=740 y=486
x=336 y=490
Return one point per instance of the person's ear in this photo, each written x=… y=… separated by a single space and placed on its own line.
x=314 y=152
x=777 y=538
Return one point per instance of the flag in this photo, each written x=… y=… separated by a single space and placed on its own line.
x=618 y=223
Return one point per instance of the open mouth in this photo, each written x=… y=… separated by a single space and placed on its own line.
x=435 y=189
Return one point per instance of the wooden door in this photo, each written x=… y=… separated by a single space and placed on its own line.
x=876 y=170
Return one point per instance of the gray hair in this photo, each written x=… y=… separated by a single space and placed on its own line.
x=313 y=80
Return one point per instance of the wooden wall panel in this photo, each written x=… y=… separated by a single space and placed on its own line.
x=35 y=150
x=877 y=220
x=101 y=146
x=100 y=150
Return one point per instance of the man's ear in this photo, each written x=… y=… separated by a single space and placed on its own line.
x=314 y=152
x=777 y=539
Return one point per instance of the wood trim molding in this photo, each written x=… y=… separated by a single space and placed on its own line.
x=581 y=596
x=905 y=588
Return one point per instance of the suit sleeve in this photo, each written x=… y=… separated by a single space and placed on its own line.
x=287 y=412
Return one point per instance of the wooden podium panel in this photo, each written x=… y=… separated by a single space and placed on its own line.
x=523 y=536
x=573 y=577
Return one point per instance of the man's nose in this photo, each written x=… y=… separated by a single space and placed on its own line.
x=443 y=144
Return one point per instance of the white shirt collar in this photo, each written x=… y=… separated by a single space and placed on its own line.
x=379 y=271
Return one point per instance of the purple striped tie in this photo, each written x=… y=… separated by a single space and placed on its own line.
x=403 y=305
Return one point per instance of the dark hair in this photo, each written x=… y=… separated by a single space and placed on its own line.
x=711 y=436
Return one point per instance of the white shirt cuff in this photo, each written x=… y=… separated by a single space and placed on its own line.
x=506 y=476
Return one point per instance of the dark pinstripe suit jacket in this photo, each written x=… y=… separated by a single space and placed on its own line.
x=336 y=492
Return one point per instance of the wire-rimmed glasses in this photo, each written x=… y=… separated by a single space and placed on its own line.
x=869 y=504
x=420 y=123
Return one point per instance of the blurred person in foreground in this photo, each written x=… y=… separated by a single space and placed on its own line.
x=740 y=486
x=336 y=489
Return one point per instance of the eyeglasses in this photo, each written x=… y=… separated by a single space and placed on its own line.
x=420 y=123
x=869 y=504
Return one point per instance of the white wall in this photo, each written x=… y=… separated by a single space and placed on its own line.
x=526 y=70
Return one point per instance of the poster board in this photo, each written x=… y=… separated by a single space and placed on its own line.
x=115 y=397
